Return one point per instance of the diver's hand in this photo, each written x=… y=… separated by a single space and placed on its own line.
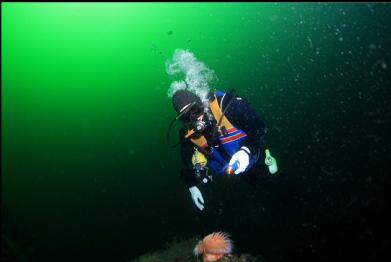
x=197 y=197
x=243 y=158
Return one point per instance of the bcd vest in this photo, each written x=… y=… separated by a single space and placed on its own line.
x=230 y=141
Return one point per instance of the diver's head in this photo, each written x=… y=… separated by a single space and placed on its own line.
x=187 y=105
x=190 y=110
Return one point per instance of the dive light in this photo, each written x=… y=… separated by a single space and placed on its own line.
x=232 y=168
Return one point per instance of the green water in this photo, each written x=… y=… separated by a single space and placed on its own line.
x=87 y=173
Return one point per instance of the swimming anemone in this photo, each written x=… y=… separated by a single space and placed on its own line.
x=214 y=246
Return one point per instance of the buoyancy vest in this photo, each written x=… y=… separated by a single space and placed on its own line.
x=230 y=139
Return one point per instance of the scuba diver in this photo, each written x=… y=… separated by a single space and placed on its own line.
x=221 y=136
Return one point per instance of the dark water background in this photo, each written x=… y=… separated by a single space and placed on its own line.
x=87 y=174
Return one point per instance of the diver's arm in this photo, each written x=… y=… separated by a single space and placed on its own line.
x=187 y=173
x=246 y=119
x=241 y=115
x=187 y=177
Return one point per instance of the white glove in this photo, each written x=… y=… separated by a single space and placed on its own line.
x=197 y=197
x=243 y=158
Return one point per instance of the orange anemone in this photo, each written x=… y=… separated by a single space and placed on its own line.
x=214 y=246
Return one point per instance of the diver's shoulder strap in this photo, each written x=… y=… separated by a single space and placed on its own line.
x=200 y=142
x=218 y=114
